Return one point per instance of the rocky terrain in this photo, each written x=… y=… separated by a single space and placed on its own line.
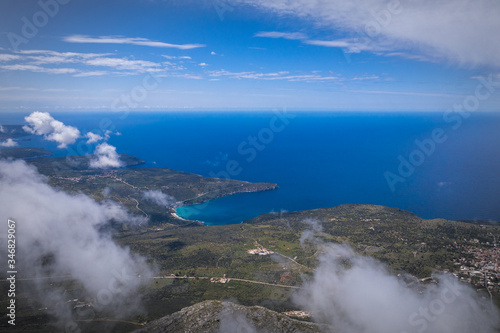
x=227 y=317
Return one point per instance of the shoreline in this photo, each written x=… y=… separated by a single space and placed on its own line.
x=174 y=214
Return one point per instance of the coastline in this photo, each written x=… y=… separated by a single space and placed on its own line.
x=174 y=214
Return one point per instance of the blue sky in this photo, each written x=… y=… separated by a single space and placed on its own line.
x=248 y=54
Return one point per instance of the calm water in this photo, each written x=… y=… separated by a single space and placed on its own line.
x=318 y=159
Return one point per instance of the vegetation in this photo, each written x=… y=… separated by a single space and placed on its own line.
x=12 y=131
x=188 y=255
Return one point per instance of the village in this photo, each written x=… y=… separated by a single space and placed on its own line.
x=479 y=265
x=260 y=251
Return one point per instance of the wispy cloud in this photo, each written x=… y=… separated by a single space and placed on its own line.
x=463 y=32
x=38 y=69
x=105 y=156
x=16 y=89
x=45 y=57
x=409 y=93
x=363 y=296
x=124 y=64
x=159 y=198
x=91 y=73
x=71 y=231
x=48 y=61
x=285 y=35
x=283 y=75
x=8 y=57
x=177 y=57
x=127 y=40
x=348 y=45
x=365 y=77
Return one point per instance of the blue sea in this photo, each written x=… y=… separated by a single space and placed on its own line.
x=433 y=164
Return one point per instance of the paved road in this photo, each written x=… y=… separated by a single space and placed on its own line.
x=229 y=279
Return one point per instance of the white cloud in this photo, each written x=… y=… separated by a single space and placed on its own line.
x=213 y=53
x=234 y=320
x=159 y=198
x=38 y=69
x=91 y=73
x=285 y=35
x=8 y=57
x=349 y=45
x=363 y=296
x=9 y=142
x=105 y=156
x=47 y=61
x=46 y=57
x=58 y=234
x=409 y=93
x=123 y=64
x=464 y=32
x=202 y=64
x=66 y=55
x=179 y=57
x=184 y=76
x=16 y=88
x=314 y=227
x=42 y=123
x=125 y=40
x=284 y=75
x=92 y=137
x=365 y=77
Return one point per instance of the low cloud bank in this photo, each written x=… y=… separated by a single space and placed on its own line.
x=58 y=234
x=354 y=293
x=159 y=198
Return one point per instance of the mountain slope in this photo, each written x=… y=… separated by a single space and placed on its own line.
x=227 y=317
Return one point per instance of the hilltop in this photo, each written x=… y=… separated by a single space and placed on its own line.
x=227 y=317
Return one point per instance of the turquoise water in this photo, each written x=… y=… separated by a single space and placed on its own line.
x=317 y=159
